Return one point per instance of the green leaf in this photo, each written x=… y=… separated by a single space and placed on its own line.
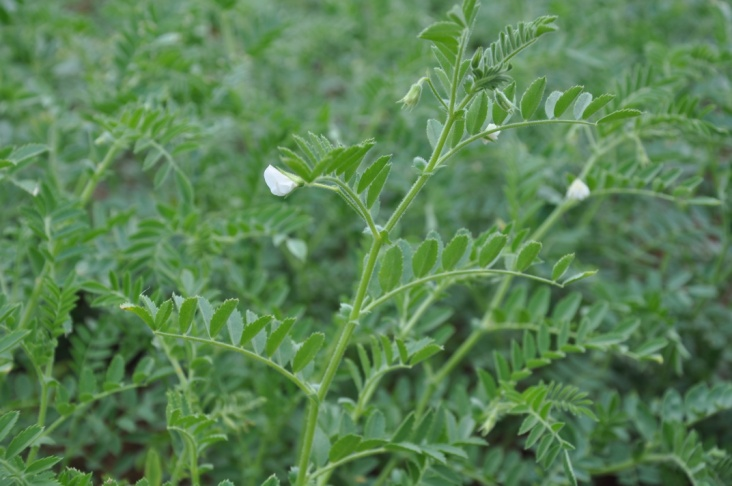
x=425 y=257
x=376 y=186
x=343 y=447
x=40 y=465
x=582 y=102
x=551 y=103
x=219 y=318
x=532 y=97
x=619 y=115
x=153 y=468
x=455 y=250
x=502 y=369
x=161 y=317
x=434 y=129
x=22 y=441
x=390 y=272
x=535 y=435
x=186 y=311
x=543 y=340
x=445 y=33
x=271 y=481
x=140 y=312
x=566 y=308
x=403 y=352
x=579 y=276
x=307 y=351
x=566 y=99
x=115 y=373
x=278 y=335
x=404 y=431
x=87 y=384
x=491 y=250
x=527 y=255
x=424 y=353
x=597 y=104
x=372 y=172
x=568 y=469
x=7 y=422
x=561 y=266
x=254 y=328
x=12 y=340
x=529 y=423
x=26 y=152
x=456 y=132
x=477 y=113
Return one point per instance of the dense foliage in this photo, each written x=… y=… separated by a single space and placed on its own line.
x=519 y=273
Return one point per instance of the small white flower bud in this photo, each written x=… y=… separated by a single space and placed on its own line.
x=491 y=137
x=578 y=190
x=411 y=99
x=279 y=183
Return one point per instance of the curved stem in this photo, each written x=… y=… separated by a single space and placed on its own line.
x=91 y=184
x=330 y=467
x=351 y=197
x=294 y=379
x=457 y=274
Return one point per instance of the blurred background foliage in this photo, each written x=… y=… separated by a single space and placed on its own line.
x=183 y=207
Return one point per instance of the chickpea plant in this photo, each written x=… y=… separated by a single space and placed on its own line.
x=334 y=372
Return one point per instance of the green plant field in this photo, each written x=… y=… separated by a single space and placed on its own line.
x=365 y=243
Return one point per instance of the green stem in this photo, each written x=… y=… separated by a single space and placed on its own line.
x=294 y=379
x=456 y=274
x=347 y=459
x=91 y=184
x=347 y=193
x=43 y=377
x=35 y=295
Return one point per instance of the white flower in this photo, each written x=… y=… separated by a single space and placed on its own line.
x=491 y=137
x=578 y=190
x=278 y=182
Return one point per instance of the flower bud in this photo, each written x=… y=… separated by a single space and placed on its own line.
x=578 y=190
x=278 y=182
x=491 y=137
x=411 y=99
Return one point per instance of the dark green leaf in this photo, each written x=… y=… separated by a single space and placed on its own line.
x=404 y=431
x=619 y=115
x=425 y=257
x=307 y=351
x=254 y=328
x=390 y=272
x=597 y=104
x=278 y=335
x=566 y=99
x=11 y=340
x=561 y=266
x=424 y=353
x=527 y=255
x=532 y=97
x=477 y=113
x=343 y=447
x=455 y=250
x=115 y=373
x=7 y=422
x=219 y=318
x=370 y=174
x=186 y=311
x=376 y=186
x=491 y=250
x=141 y=312
x=22 y=441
